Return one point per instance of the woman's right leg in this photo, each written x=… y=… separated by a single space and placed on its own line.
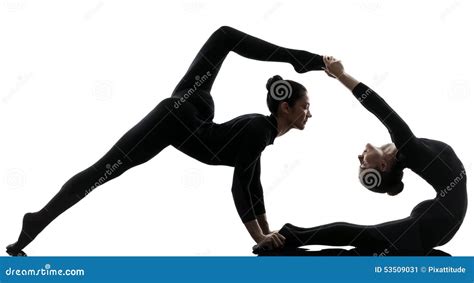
x=138 y=145
x=399 y=235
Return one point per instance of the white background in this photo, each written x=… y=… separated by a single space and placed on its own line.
x=75 y=76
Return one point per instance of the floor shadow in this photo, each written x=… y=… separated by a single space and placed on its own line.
x=351 y=252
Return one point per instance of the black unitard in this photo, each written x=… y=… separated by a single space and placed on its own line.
x=431 y=223
x=185 y=121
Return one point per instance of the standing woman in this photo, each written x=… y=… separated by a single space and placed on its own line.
x=185 y=121
x=431 y=223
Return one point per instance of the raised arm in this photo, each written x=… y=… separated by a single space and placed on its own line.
x=225 y=39
x=400 y=133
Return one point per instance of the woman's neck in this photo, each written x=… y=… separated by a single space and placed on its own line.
x=282 y=126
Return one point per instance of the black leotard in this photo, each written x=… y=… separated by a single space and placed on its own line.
x=185 y=121
x=431 y=223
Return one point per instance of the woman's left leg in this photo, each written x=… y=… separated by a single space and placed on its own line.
x=145 y=140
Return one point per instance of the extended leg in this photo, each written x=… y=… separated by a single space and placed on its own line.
x=209 y=59
x=400 y=234
x=137 y=146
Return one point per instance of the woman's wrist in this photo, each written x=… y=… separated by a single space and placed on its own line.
x=259 y=238
x=263 y=223
x=254 y=230
x=342 y=76
x=347 y=80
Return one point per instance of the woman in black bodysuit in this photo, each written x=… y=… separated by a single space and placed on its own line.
x=432 y=222
x=185 y=121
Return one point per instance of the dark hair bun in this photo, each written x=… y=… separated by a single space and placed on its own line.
x=395 y=189
x=273 y=79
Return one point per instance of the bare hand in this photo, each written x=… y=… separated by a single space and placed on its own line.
x=274 y=240
x=271 y=232
x=334 y=67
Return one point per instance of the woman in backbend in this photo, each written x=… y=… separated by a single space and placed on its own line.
x=185 y=121
x=432 y=222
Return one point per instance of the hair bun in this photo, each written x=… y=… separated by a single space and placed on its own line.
x=272 y=80
x=395 y=189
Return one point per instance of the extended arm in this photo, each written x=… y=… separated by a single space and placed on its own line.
x=248 y=195
x=258 y=200
x=248 y=201
x=399 y=131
